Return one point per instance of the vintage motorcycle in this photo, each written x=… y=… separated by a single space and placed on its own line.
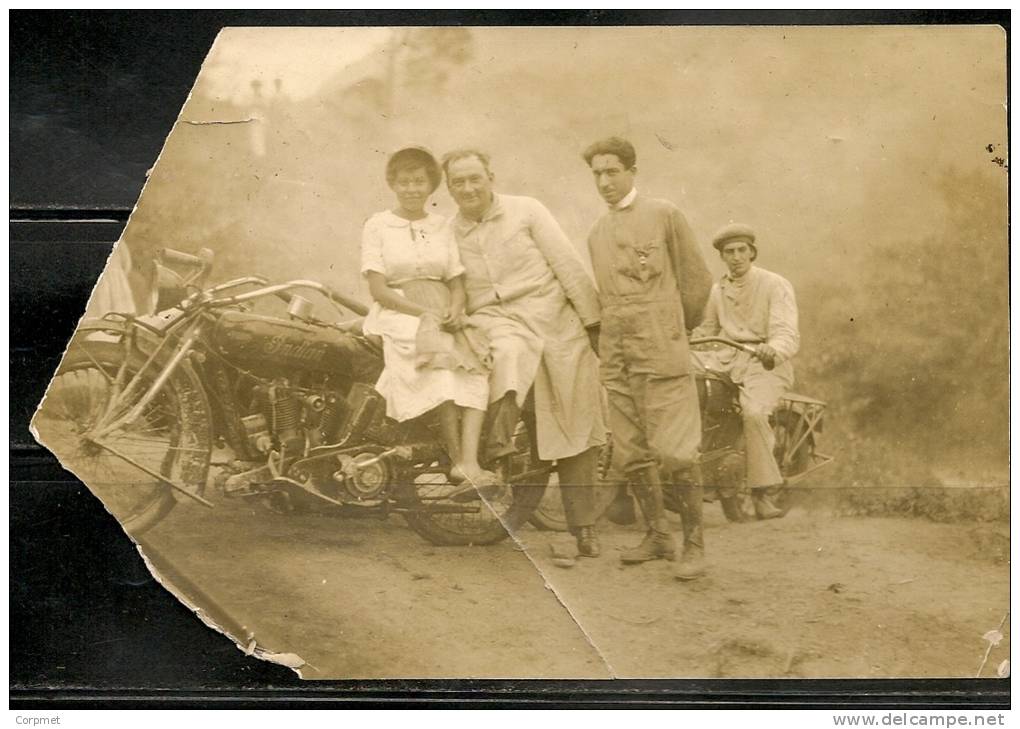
x=140 y=405
x=797 y=424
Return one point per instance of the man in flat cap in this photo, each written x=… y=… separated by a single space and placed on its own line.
x=653 y=284
x=757 y=307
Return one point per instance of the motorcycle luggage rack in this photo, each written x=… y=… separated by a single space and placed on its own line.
x=820 y=460
x=807 y=411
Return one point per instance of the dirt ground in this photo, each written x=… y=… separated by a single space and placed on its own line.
x=810 y=595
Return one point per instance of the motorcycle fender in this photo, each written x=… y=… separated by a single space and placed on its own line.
x=110 y=329
x=90 y=329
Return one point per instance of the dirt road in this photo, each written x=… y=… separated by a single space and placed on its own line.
x=811 y=595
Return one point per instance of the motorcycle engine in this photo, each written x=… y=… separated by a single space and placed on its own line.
x=289 y=418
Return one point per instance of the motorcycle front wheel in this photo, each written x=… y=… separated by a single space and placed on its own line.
x=170 y=437
x=481 y=521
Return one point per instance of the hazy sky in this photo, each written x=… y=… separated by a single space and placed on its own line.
x=825 y=139
x=303 y=58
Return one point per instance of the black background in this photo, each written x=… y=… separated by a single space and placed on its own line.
x=92 y=96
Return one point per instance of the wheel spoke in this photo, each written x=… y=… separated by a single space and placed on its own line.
x=162 y=443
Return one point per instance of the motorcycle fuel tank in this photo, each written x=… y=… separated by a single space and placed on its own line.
x=271 y=346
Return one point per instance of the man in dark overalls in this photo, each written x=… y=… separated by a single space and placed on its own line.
x=653 y=285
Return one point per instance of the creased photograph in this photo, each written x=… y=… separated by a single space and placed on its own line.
x=568 y=352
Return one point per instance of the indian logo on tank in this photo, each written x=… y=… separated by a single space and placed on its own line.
x=295 y=349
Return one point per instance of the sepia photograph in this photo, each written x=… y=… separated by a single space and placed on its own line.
x=552 y=352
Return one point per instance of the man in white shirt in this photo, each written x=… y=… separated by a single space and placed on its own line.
x=757 y=307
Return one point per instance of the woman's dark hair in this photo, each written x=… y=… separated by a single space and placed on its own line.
x=413 y=158
x=613 y=145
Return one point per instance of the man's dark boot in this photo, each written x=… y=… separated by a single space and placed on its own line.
x=658 y=542
x=692 y=562
x=588 y=542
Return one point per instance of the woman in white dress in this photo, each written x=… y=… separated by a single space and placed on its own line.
x=434 y=359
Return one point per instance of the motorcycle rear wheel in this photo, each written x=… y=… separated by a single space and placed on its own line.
x=738 y=505
x=495 y=517
x=171 y=437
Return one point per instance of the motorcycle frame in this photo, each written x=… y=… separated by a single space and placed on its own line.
x=188 y=329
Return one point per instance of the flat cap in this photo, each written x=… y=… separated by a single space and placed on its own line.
x=733 y=231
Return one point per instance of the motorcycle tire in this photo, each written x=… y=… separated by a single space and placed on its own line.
x=739 y=507
x=171 y=436
x=496 y=517
x=549 y=516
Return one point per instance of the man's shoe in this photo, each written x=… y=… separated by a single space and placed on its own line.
x=691 y=565
x=588 y=542
x=655 y=545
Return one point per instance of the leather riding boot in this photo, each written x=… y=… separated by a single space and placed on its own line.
x=763 y=506
x=692 y=562
x=658 y=542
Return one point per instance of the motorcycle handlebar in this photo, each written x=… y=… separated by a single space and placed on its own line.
x=281 y=290
x=253 y=280
x=768 y=363
x=356 y=306
x=169 y=255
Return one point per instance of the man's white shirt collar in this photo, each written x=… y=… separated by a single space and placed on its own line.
x=627 y=200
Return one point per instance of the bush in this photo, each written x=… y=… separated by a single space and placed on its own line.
x=916 y=349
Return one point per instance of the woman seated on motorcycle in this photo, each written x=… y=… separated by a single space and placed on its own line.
x=433 y=358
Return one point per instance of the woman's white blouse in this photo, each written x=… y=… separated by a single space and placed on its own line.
x=404 y=250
